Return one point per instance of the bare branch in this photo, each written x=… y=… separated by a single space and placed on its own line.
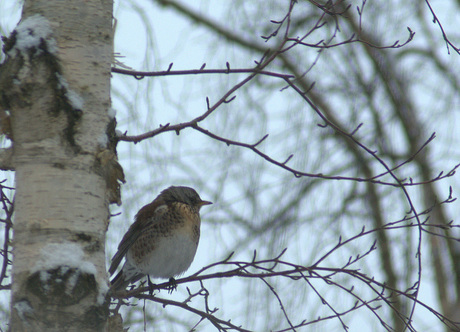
x=444 y=35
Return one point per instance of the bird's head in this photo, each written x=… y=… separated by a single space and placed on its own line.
x=185 y=195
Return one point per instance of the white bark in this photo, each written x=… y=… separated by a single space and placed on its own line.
x=58 y=104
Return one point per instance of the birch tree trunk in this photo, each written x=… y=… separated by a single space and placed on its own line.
x=56 y=86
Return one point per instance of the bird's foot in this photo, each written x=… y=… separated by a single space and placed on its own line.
x=151 y=285
x=172 y=285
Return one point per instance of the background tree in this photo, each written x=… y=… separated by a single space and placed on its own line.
x=361 y=204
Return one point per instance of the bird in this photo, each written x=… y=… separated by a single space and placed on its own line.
x=162 y=241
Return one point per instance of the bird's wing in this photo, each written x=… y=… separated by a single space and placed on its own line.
x=151 y=213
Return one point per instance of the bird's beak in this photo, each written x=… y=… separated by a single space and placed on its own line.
x=205 y=203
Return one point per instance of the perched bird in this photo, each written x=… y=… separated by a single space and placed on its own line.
x=162 y=241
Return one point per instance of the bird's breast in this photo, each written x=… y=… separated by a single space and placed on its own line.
x=171 y=256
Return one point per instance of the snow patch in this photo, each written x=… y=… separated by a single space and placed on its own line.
x=64 y=256
x=102 y=140
x=103 y=289
x=112 y=113
x=23 y=307
x=75 y=100
x=31 y=32
x=44 y=277
x=71 y=281
x=56 y=255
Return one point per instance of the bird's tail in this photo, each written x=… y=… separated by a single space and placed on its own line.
x=120 y=281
